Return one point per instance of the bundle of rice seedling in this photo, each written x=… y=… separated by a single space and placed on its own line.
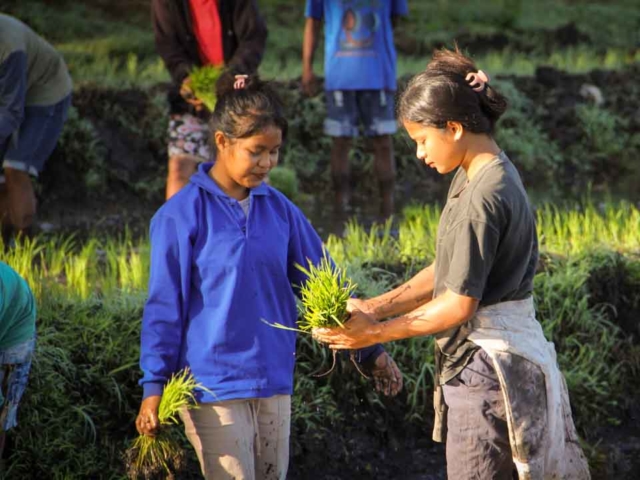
x=324 y=301
x=203 y=84
x=324 y=296
x=160 y=456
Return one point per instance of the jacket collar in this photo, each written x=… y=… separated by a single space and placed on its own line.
x=202 y=179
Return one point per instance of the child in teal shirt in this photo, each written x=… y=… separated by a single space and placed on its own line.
x=17 y=343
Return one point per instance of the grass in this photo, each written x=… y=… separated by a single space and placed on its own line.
x=112 y=44
x=90 y=294
x=83 y=389
x=580 y=230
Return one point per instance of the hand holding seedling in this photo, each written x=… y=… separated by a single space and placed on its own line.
x=156 y=451
x=187 y=93
x=147 y=421
x=358 y=332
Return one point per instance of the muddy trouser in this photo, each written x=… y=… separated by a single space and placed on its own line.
x=245 y=439
x=477 y=432
x=542 y=435
x=15 y=363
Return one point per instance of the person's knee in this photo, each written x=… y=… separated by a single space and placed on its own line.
x=182 y=166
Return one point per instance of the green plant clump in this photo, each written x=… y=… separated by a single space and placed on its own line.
x=203 y=84
x=324 y=296
x=151 y=456
x=285 y=179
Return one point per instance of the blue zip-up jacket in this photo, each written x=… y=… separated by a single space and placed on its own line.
x=215 y=275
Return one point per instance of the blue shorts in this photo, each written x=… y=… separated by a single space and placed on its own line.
x=348 y=109
x=18 y=361
x=36 y=138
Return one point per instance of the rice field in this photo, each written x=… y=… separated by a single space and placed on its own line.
x=91 y=292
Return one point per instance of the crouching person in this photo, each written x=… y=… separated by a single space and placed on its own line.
x=17 y=343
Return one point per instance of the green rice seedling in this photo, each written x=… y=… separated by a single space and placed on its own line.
x=581 y=229
x=151 y=456
x=80 y=270
x=592 y=353
x=203 y=84
x=323 y=301
x=324 y=296
x=21 y=256
x=417 y=234
x=56 y=253
x=373 y=246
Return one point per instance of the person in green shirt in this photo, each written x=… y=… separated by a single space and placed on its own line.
x=35 y=96
x=17 y=343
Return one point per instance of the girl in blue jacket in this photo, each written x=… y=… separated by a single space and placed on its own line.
x=223 y=256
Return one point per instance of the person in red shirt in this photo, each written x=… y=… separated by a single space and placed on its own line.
x=189 y=34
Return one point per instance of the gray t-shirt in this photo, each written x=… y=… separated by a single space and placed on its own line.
x=487 y=249
x=27 y=58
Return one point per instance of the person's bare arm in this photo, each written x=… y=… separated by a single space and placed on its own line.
x=405 y=298
x=446 y=311
x=309 y=44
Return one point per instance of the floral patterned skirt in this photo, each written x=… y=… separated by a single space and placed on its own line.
x=189 y=135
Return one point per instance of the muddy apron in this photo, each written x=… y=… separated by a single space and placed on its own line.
x=543 y=439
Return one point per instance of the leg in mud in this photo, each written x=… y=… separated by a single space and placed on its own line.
x=180 y=169
x=385 y=170
x=340 y=173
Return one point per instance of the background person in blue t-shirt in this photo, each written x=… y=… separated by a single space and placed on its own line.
x=223 y=256
x=360 y=81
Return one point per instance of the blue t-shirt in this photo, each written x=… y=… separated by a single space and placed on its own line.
x=359 y=51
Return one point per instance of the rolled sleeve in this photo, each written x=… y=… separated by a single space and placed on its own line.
x=314 y=9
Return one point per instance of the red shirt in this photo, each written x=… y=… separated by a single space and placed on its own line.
x=207 y=28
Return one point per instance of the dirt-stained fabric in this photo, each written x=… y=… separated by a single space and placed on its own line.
x=542 y=435
x=478 y=445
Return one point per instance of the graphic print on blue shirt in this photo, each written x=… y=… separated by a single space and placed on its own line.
x=359 y=50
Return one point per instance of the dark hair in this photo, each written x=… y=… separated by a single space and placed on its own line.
x=441 y=94
x=241 y=113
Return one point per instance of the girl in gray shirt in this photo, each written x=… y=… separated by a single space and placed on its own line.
x=501 y=402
